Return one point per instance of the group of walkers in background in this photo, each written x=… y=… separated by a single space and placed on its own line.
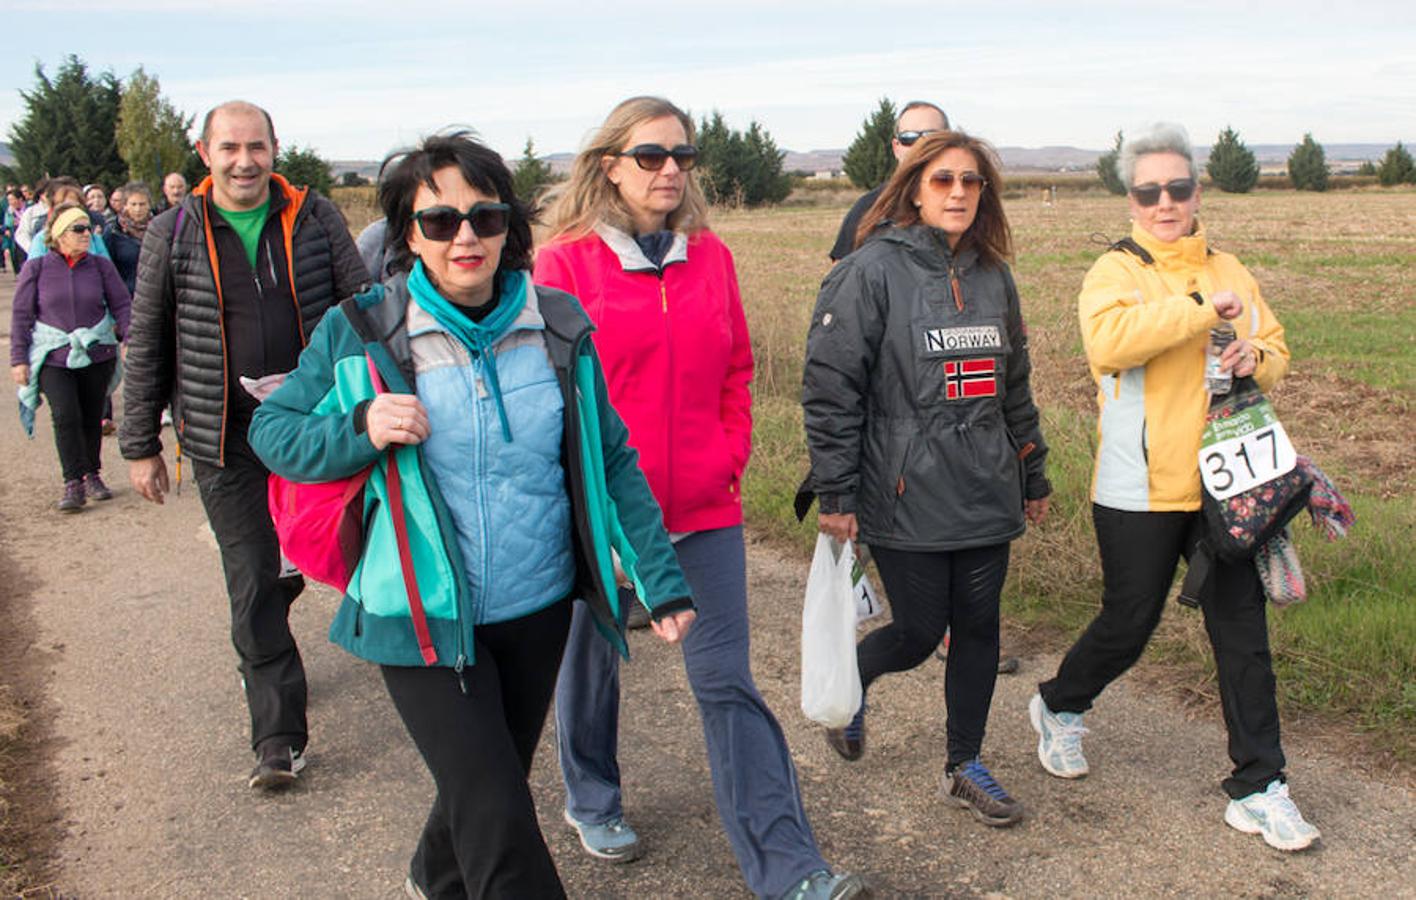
x=71 y=311
x=551 y=439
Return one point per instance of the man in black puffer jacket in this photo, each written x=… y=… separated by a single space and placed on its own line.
x=231 y=283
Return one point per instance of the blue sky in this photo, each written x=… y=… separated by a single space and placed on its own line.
x=354 y=79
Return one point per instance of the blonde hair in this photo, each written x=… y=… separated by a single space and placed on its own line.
x=588 y=196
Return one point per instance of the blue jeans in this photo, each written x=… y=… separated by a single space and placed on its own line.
x=754 y=781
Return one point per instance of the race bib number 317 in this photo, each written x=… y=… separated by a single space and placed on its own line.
x=1244 y=451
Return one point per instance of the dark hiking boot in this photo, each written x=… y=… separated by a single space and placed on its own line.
x=849 y=741
x=95 y=489
x=972 y=786
x=73 y=499
x=278 y=768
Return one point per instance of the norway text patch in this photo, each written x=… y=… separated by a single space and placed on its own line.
x=964 y=338
x=967 y=378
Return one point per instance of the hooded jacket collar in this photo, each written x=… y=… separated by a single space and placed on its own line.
x=1188 y=252
x=930 y=246
x=631 y=256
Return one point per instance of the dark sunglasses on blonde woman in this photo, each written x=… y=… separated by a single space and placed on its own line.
x=972 y=181
x=441 y=223
x=1148 y=194
x=652 y=157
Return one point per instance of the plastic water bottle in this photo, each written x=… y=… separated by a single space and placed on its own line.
x=1218 y=381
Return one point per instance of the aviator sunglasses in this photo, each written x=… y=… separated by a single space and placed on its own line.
x=908 y=138
x=441 y=223
x=651 y=157
x=1148 y=194
x=972 y=181
x=80 y=228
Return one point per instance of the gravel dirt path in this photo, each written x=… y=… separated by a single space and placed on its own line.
x=125 y=627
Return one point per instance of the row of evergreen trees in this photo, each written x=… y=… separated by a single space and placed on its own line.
x=97 y=128
x=1233 y=168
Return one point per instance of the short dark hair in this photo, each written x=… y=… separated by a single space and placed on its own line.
x=235 y=105
x=404 y=171
x=136 y=187
x=921 y=104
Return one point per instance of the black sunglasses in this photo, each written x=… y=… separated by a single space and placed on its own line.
x=1148 y=194
x=972 y=181
x=441 y=223
x=651 y=157
x=80 y=228
x=908 y=138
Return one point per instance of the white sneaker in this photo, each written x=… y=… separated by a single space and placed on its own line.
x=1059 y=744
x=1273 y=815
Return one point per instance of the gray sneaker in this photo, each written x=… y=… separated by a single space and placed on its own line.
x=971 y=785
x=1059 y=742
x=824 y=885
x=613 y=841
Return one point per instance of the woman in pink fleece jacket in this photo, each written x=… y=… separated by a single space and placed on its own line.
x=630 y=240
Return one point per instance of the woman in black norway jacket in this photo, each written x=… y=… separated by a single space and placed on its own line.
x=925 y=443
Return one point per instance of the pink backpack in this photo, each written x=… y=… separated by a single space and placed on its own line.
x=321 y=526
x=321 y=529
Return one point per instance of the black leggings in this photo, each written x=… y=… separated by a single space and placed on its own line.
x=482 y=838
x=1139 y=554
x=954 y=591
x=76 y=406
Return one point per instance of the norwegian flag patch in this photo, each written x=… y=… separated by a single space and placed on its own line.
x=965 y=379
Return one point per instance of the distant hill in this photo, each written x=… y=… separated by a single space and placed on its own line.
x=1065 y=159
x=1015 y=159
x=6 y=157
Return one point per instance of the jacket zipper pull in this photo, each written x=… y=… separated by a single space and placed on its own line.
x=458 y=667
x=958 y=292
x=663 y=293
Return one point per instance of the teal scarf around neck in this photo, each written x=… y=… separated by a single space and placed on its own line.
x=477 y=337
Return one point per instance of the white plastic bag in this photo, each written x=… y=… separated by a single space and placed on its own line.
x=830 y=680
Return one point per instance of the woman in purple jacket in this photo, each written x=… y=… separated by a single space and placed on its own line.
x=70 y=311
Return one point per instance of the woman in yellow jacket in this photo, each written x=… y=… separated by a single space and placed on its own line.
x=1146 y=311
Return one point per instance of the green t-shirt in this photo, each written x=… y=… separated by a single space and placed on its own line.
x=248 y=224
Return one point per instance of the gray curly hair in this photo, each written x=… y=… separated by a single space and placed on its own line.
x=1160 y=137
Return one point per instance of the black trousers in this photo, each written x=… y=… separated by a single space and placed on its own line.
x=17 y=257
x=1139 y=555
x=931 y=593
x=482 y=838
x=236 y=506
x=75 y=399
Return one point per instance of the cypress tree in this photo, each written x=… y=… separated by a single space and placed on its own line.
x=531 y=175
x=1307 y=165
x=1108 y=170
x=870 y=160
x=70 y=126
x=1396 y=167
x=1232 y=165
